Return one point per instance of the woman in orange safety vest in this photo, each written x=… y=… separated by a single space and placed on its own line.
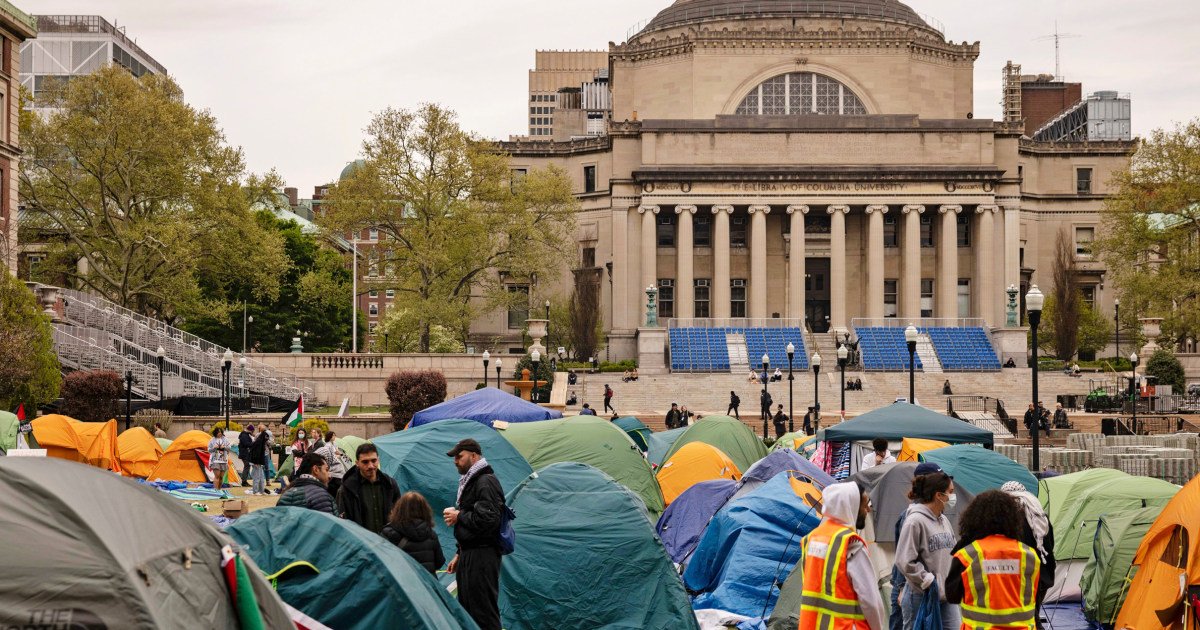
x=993 y=574
x=840 y=589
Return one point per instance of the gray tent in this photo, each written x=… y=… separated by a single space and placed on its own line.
x=889 y=485
x=90 y=549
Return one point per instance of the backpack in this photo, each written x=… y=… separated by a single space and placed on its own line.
x=507 y=537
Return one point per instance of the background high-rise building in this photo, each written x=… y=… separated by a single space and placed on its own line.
x=556 y=70
x=15 y=27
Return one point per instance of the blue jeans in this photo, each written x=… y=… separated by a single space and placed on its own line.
x=260 y=482
x=910 y=603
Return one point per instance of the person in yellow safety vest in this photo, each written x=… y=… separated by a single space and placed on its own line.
x=840 y=587
x=993 y=574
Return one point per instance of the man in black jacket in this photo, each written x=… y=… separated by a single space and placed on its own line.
x=309 y=488
x=245 y=440
x=367 y=493
x=476 y=523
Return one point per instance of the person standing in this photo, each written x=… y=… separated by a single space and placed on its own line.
x=1030 y=419
x=672 y=419
x=1060 y=417
x=258 y=462
x=896 y=618
x=410 y=527
x=608 y=396
x=765 y=401
x=245 y=441
x=734 y=401
x=780 y=422
x=808 y=418
x=839 y=582
x=993 y=575
x=685 y=416
x=158 y=431
x=1038 y=534
x=333 y=458
x=367 y=493
x=309 y=489
x=924 y=546
x=218 y=456
x=476 y=522
x=879 y=455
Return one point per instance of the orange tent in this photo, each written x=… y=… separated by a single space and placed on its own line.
x=93 y=443
x=185 y=461
x=911 y=448
x=1168 y=566
x=691 y=464
x=139 y=452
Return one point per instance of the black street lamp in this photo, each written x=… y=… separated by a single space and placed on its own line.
x=227 y=367
x=910 y=338
x=128 y=398
x=160 y=354
x=535 y=357
x=1033 y=305
x=499 y=361
x=842 y=355
x=1133 y=359
x=487 y=356
x=1117 y=324
x=766 y=409
x=816 y=365
x=548 y=344
x=791 y=350
x=387 y=347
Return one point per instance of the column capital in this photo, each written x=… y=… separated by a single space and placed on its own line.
x=913 y=208
x=802 y=209
x=687 y=209
x=949 y=208
x=764 y=209
x=981 y=209
x=842 y=209
x=1010 y=208
x=725 y=209
x=645 y=209
x=877 y=208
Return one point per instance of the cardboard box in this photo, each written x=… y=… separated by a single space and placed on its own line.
x=234 y=508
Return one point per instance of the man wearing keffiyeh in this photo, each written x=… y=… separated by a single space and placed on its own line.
x=476 y=523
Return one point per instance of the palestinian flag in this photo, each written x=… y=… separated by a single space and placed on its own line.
x=295 y=417
x=241 y=591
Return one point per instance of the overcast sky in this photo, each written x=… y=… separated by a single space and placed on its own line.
x=294 y=82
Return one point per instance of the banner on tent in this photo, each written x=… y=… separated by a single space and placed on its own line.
x=27 y=452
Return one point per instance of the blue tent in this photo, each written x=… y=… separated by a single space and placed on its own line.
x=683 y=522
x=484 y=406
x=750 y=543
x=785 y=459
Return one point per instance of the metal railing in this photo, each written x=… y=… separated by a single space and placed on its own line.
x=768 y=8
x=88 y=349
x=735 y=322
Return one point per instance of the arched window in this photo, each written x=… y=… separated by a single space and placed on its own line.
x=799 y=93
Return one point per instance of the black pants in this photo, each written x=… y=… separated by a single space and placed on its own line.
x=734 y=409
x=780 y=429
x=246 y=470
x=608 y=405
x=478 y=577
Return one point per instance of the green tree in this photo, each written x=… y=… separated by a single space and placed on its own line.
x=1064 y=320
x=1095 y=331
x=452 y=218
x=29 y=369
x=1150 y=224
x=402 y=327
x=149 y=205
x=1092 y=331
x=1166 y=369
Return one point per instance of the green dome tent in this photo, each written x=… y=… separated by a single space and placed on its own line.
x=978 y=469
x=659 y=443
x=349 y=444
x=588 y=440
x=1075 y=524
x=587 y=557
x=1054 y=491
x=9 y=425
x=1117 y=538
x=360 y=579
x=416 y=458
x=728 y=434
x=637 y=431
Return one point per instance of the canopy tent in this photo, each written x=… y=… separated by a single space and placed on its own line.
x=484 y=405
x=92 y=443
x=637 y=431
x=1118 y=535
x=1075 y=525
x=684 y=520
x=900 y=420
x=187 y=460
x=139 y=452
x=115 y=553
x=659 y=443
x=1054 y=491
x=586 y=557
x=9 y=425
x=349 y=445
x=976 y=469
x=692 y=464
x=730 y=435
x=589 y=440
x=888 y=485
x=750 y=543
x=417 y=460
x=357 y=579
x=911 y=448
x=1168 y=566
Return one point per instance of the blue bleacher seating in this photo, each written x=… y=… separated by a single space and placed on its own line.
x=959 y=348
x=707 y=350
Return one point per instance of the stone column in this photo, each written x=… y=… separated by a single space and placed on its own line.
x=875 y=261
x=649 y=247
x=837 y=267
x=796 y=253
x=635 y=300
x=985 y=266
x=758 y=261
x=1012 y=246
x=720 y=283
x=624 y=270
x=910 y=284
x=685 y=285
x=947 y=281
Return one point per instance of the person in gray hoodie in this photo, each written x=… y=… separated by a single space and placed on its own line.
x=923 y=549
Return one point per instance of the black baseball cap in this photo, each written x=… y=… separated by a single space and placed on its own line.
x=469 y=445
x=927 y=468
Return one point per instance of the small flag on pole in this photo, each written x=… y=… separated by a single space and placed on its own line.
x=296 y=416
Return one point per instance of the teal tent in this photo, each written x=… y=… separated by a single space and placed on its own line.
x=587 y=557
x=637 y=431
x=357 y=579
x=659 y=443
x=1104 y=578
x=978 y=469
x=900 y=420
x=416 y=458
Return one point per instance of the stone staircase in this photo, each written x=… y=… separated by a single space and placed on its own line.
x=929 y=359
x=735 y=344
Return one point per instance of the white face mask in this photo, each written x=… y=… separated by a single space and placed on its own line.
x=951 y=500
x=300 y=436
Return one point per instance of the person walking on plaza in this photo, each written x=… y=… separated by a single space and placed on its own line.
x=780 y=421
x=765 y=401
x=367 y=493
x=672 y=419
x=879 y=455
x=245 y=441
x=410 y=527
x=476 y=522
x=333 y=459
x=992 y=574
x=924 y=547
x=309 y=489
x=1037 y=533
x=840 y=589
x=258 y=462
x=218 y=456
x=608 y=395
x=734 y=401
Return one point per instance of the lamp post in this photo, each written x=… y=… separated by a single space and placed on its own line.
x=1133 y=359
x=498 y=362
x=487 y=356
x=1033 y=304
x=842 y=355
x=160 y=354
x=226 y=367
x=387 y=348
x=766 y=412
x=910 y=338
x=277 y=327
x=128 y=398
x=791 y=350
x=535 y=357
x=816 y=365
x=1117 y=324
x=242 y=376
x=246 y=328
x=548 y=344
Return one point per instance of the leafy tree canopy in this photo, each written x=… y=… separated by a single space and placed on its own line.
x=1167 y=369
x=29 y=370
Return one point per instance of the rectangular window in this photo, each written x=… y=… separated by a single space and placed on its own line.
x=1083 y=241
x=666 y=298
x=589 y=179
x=390 y=293
x=702 y=296
x=371 y=327
x=373 y=309
x=1089 y=296
x=588 y=260
x=372 y=234
x=702 y=231
x=373 y=293
x=889 y=297
x=737 y=232
x=964 y=297
x=926 y=231
x=373 y=270
x=890 y=233
x=737 y=297
x=666 y=230
x=926 y=297
x=518 y=311
x=1083 y=181
x=816 y=223
x=963 y=224
x=32 y=261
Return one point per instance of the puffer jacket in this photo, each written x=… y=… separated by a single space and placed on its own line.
x=307 y=491
x=418 y=540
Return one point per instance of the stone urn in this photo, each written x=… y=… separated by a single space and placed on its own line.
x=537 y=330
x=1151 y=329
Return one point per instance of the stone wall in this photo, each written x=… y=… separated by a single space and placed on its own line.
x=363 y=377
x=367 y=427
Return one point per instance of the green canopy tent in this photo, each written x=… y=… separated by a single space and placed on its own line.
x=659 y=443
x=900 y=420
x=978 y=469
x=587 y=557
x=9 y=426
x=637 y=431
x=343 y=575
x=349 y=444
x=1118 y=535
x=1075 y=524
x=734 y=438
x=1054 y=491
x=589 y=440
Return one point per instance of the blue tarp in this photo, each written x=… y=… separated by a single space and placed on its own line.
x=748 y=546
x=786 y=459
x=484 y=406
x=683 y=522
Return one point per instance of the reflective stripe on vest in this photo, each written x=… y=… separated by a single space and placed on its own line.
x=828 y=600
x=1000 y=579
